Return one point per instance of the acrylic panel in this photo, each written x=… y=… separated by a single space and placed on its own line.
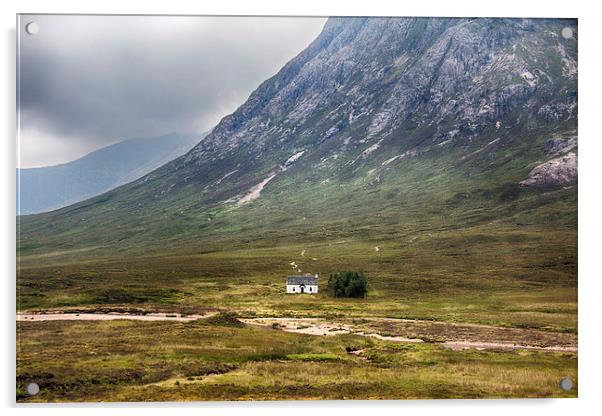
x=293 y=208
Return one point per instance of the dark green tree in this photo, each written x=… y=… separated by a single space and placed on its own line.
x=348 y=284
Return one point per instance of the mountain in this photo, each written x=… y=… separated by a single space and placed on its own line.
x=47 y=188
x=382 y=129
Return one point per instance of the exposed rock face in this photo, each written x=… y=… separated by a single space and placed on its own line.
x=558 y=146
x=559 y=171
x=389 y=74
x=557 y=111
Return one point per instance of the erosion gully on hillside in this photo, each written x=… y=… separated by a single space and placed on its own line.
x=451 y=335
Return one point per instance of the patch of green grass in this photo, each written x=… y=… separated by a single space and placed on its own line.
x=314 y=357
x=225 y=319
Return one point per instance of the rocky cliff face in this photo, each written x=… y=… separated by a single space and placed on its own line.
x=457 y=76
x=559 y=171
x=386 y=111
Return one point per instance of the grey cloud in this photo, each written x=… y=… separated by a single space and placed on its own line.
x=87 y=81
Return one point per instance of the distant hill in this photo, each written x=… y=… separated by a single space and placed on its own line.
x=48 y=188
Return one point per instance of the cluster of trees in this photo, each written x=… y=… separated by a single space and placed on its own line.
x=348 y=285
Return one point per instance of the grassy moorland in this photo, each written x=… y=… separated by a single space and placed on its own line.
x=512 y=282
x=436 y=239
x=492 y=274
x=223 y=360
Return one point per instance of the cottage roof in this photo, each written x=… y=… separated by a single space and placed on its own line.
x=301 y=280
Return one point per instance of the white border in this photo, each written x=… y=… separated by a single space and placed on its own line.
x=590 y=151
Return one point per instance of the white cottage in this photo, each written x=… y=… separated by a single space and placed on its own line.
x=302 y=284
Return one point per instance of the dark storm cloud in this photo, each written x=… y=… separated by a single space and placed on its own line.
x=87 y=81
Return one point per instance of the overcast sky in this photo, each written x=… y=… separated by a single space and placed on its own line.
x=89 y=81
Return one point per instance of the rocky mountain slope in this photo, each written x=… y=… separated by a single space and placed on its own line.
x=47 y=188
x=382 y=127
